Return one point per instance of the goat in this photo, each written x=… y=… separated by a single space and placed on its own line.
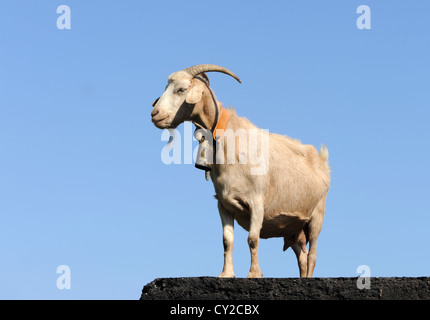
x=287 y=200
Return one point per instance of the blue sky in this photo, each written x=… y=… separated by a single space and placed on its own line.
x=81 y=178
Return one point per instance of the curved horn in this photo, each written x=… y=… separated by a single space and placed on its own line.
x=195 y=70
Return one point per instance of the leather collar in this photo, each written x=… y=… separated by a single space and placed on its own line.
x=221 y=125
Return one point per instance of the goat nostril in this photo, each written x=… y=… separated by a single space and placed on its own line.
x=154 y=112
x=155 y=102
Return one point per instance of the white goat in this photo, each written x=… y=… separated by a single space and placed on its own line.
x=287 y=200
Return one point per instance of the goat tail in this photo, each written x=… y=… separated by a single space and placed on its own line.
x=324 y=153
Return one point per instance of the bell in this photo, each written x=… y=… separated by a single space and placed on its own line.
x=204 y=155
x=204 y=159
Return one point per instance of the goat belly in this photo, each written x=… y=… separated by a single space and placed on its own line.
x=284 y=224
x=243 y=219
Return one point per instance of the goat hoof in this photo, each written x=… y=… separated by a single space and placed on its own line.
x=256 y=274
x=226 y=275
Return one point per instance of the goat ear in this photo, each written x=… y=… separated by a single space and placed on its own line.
x=155 y=101
x=195 y=92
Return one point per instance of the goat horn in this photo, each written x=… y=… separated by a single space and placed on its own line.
x=195 y=70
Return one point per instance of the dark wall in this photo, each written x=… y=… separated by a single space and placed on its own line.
x=207 y=288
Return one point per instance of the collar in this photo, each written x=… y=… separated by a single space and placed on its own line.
x=221 y=125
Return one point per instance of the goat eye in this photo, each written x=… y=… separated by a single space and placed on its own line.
x=180 y=90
